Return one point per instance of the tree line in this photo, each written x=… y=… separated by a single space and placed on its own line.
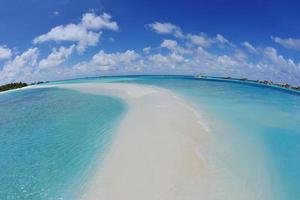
x=11 y=86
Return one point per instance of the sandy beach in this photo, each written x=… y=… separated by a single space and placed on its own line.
x=156 y=153
x=164 y=150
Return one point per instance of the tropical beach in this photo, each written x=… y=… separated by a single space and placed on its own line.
x=182 y=163
x=149 y=100
x=133 y=169
x=173 y=141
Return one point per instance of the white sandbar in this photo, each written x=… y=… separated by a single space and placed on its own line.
x=156 y=152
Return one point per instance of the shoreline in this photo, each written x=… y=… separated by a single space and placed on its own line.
x=164 y=149
x=156 y=153
x=264 y=83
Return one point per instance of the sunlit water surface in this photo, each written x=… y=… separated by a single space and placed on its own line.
x=255 y=129
x=50 y=141
x=48 y=137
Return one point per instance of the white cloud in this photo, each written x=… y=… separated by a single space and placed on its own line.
x=57 y=57
x=108 y=61
x=166 y=28
x=221 y=39
x=213 y=64
x=281 y=63
x=203 y=40
x=169 y=44
x=5 y=52
x=85 y=34
x=169 y=61
x=200 y=40
x=174 y=46
x=94 y=22
x=226 y=60
x=147 y=49
x=29 y=57
x=249 y=47
x=71 y=32
x=240 y=55
x=197 y=39
x=289 y=43
x=276 y=67
x=183 y=54
x=269 y=64
x=20 y=67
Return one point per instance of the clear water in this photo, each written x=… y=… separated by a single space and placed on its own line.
x=51 y=139
x=256 y=130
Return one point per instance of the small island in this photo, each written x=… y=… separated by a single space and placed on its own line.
x=12 y=86
x=263 y=82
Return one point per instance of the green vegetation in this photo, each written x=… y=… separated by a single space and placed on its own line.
x=11 y=86
x=264 y=82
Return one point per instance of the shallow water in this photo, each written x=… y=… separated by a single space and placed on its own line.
x=256 y=130
x=51 y=139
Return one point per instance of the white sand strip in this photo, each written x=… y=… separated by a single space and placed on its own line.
x=164 y=151
x=156 y=152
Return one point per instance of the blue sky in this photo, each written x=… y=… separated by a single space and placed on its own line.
x=49 y=40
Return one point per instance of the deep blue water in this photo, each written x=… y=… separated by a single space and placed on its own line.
x=51 y=139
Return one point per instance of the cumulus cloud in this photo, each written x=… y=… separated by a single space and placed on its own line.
x=197 y=39
x=174 y=46
x=221 y=39
x=146 y=49
x=188 y=53
x=180 y=58
x=94 y=22
x=169 y=61
x=5 y=52
x=289 y=43
x=200 y=40
x=108 y=61
x=86 y=33
x=166 y=28
x=249 y=47
x=20 y=67
x=276 y=67
x=170 y=44
x=282 y=64
x=205 y=41
x=57 y=57
x=71 y=32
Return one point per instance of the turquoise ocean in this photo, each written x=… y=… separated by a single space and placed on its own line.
x=49 y=138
